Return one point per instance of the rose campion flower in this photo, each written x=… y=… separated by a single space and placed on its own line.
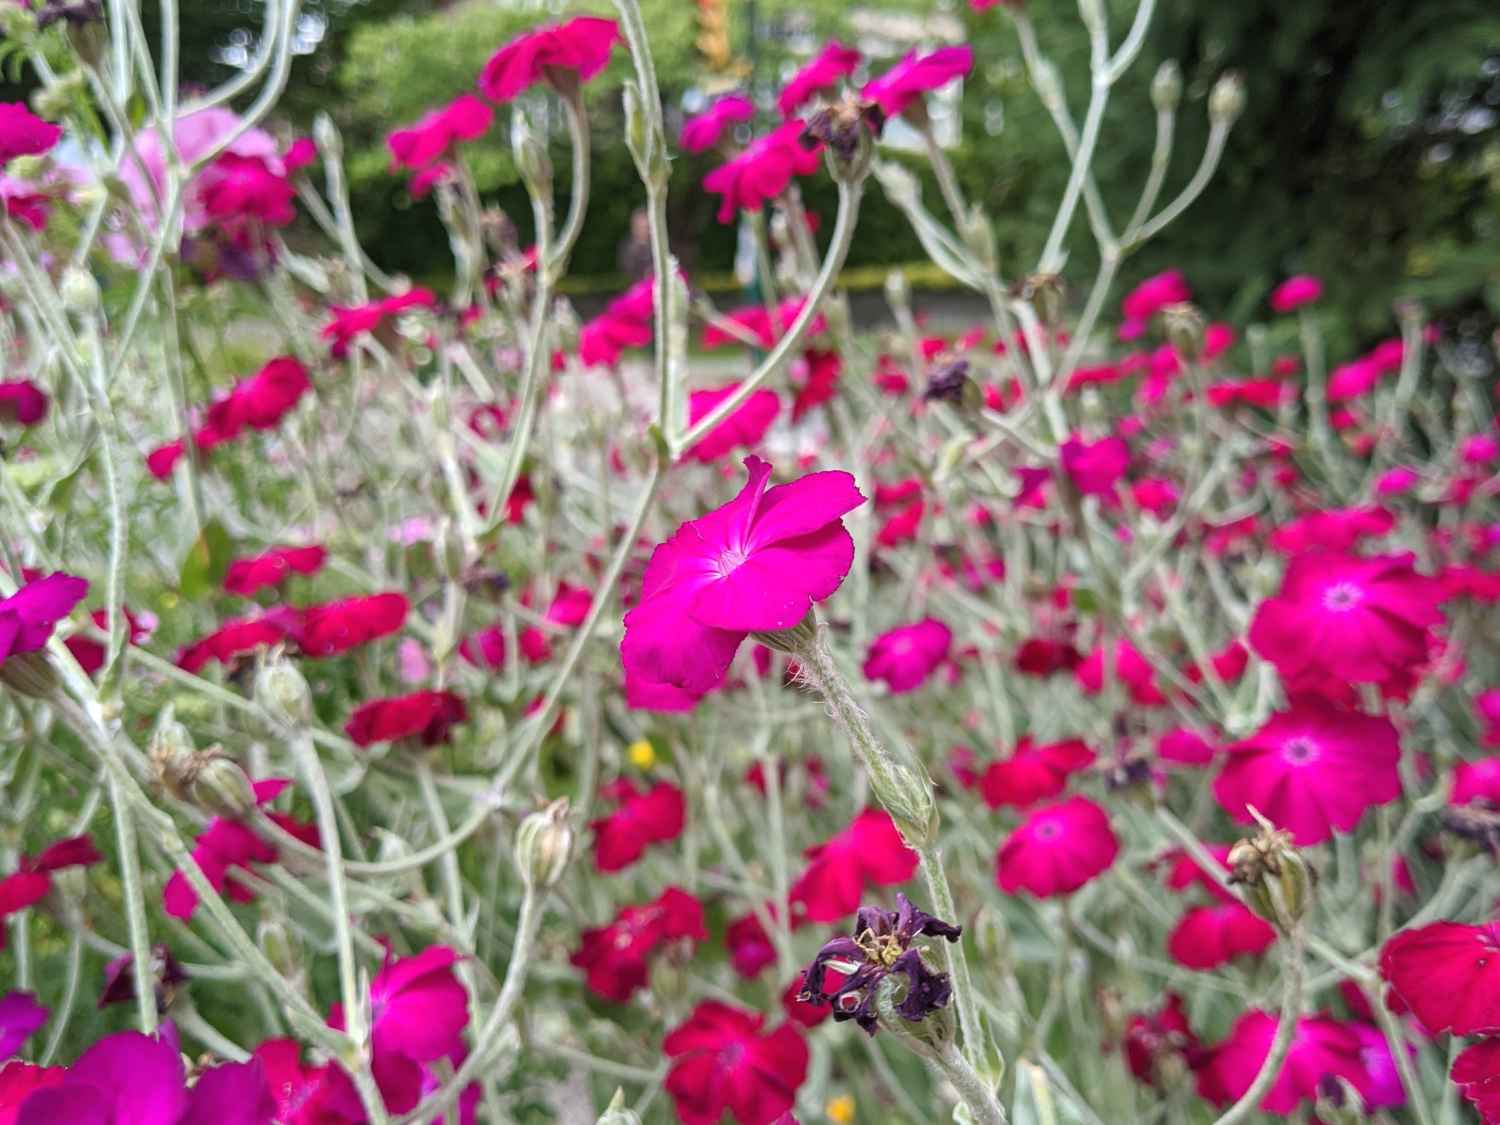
x=237 y=638
x=32 y=878
x=1033 y=773
x=428 y=717
x=905 y=657
x=1151 y=1038
x=744 y=428
x=1312 y=770
x=702 y=132
x=1207 y=937
x=880 y=946
x=22 y=402
x=1131 y=669
x=1476 y=1073
x=119 y=979
x=869 y=853
x=762 y=172
x=23 y=133
x=725 y=1062
x=562 y=55
x=816 y=377
x=248 y=576
x=1095 y=468
x=903 y=86
x=755 y=565
x=1149 y=298
x=1184 y=747
x=1321 y=1046
x=750 y=947
x=1057 y=849
x=1359 y=620
x=1333 y=529
x=307 y=1095
x=1448 y=974
x=626 y=322
x=614 y=958
x=20 y=1017
x=1294 y=292
x=639 y=820
x=418 y=1012
x=759 y=324
x=833 y=62
x=28 y=617
x=431 y=137
x=349 y=323
x=337 y=627
x=18 y=1081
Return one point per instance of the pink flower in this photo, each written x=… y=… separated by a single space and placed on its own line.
x=307 y=1095
x=870 y=852
x=349 y=323
x=755 y=321
x=743 y=428
x=750 y=947
x=1359 y=620
x=703 y=131
x=1131 y=669
x=816 y=377
x=248 y=576
x=1151 y=1039
x=906 y=656
x=1033 y=773
x=28 y=617
x=235 y=638
x=1264 y=393
x=639 y=820
x=1185 y=747
x=755 y=565
x=1397 y=481
x=1320 y=1046
x=426 y=716
x=1057 y=849
x=1207 y=937
x=238 y=188
x=835 y=61
x=614 y=957
x=23 y=133
x=20 y=1016
x=418 y=1008
x=335 y=627
x=581 y=46
x=1150 y=297
x=1312 y=770
x=1487 y=707
x=725 y=1062
x=1095 y=468
x=1476 y=1073
x=429 y=139
x=1334 y=529
x=762 y=171
x=1448 y=974
x=22 y=402
x=899 y=88
x=1294 y=292
x=32 y=878
x=626 y=322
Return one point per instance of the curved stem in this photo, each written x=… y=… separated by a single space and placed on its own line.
x=1286 y=1031
x=135 y=908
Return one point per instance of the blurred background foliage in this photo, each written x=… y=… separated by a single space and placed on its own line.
x=1368 y=153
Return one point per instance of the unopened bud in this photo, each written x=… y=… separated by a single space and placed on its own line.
x=1166 y=87
x=29 y=673
x=282 y=691
x=1339 y=1101
x=897 y=290
x=326 y=137
x=219 y=786
x=531 y=156
x=1045 y=292
x=1226 y=101
x=543 y=845
x=979 y=236
x=1277 y=881
x=618 y=1113
x=276 y=943
x=907 y=796
x=78 y=290
x=1184 y=325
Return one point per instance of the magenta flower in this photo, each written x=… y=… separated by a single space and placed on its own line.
x=428 y=139
x=1359 y=620
x=762 y=171
x=755 y=565
x=559 y=54
x=32 y=879
x=755 y=321
x=1448 y=974
x=1332 y=529
x=418 y=1008
x=28 y=616
x=835 y=61
x=1207 y=937
x=1321 y=1046
x=23 y=133
x=1095 y=468
x=427 y=717
x=351 y=322
x=1057 y=849
x=22 y=402
x=906 y=656
x=1294 y=292
x=1487 y=707
x=869 y=853
x=1033 y=773
x=903 y=85
x=1154 y=294
x=20 y=1016
x=640 y=820
x=1312 y=770
x=1131 y=669
x=626 y=322
x=248 y=576
x=743 y=428
x=704 y=130
x=616 y=958
x=725 y=1062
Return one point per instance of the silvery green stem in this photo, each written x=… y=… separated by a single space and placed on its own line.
x=1286 y=1030
x=1161 y=157
x=1218 y=134
x=63 y=1011
x=578 y=136
x=135 y=907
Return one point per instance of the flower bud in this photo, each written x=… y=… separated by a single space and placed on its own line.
x=1226 y=101
x=979 y=236
x=326 y=137
x=78 y=290
x=53 y=101
x=897 y=289
x=1184 y=325
x=907 y=796
x=281 y=689
x=219 y=786
x=276 y=942
x=531 y=156
x=1166 y=87
x=1278 y=884
x=543 y=845
x=618 y=1113
x=1045 y=292
x=1339 y=1102
x=30 y=674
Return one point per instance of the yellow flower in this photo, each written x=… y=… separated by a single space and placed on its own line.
x=642 y=756
x=841 y=1109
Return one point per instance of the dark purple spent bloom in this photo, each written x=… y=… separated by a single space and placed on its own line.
x=119 y=978
x=881 y=946
x=947 y=382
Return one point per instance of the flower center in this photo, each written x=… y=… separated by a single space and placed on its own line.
x=1048 y=830
x=731 y=559
x=731 y=1055
x=1299 y=751
x=1341 y=597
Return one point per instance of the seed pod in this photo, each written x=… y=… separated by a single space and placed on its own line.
x=30 y=674
x=281 y=689
x=1184 y=325
x=1166 y=87
x=543 y=845
x=219 y=786
x=1226 y=101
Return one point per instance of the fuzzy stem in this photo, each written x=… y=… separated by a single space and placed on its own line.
x=1286 y=1031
